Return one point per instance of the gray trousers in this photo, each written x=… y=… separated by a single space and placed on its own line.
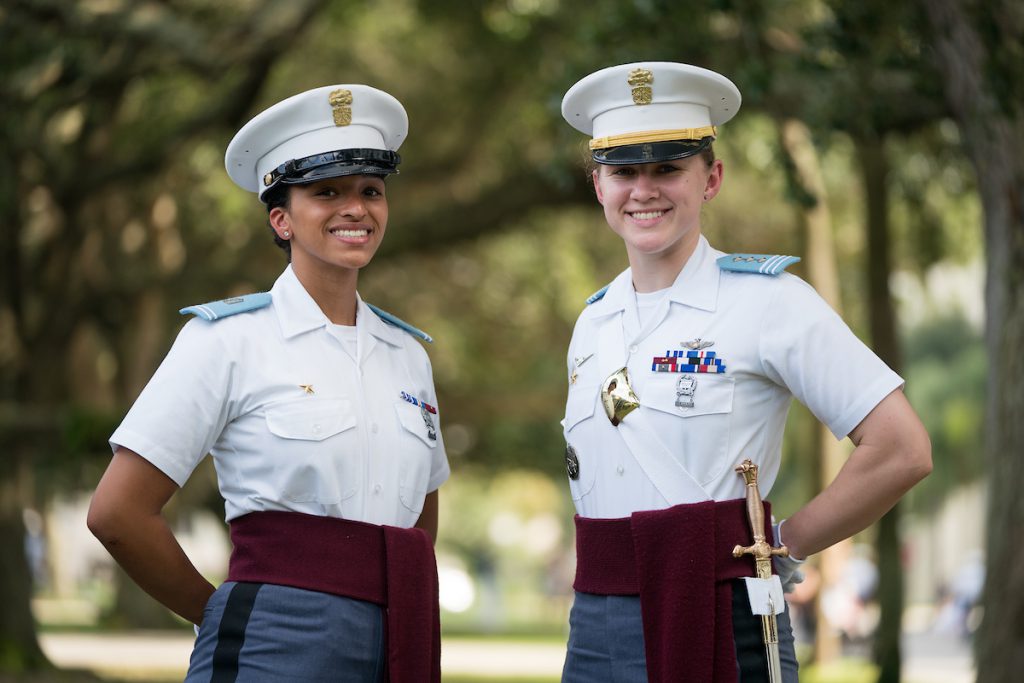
x=255 y=632
x=606 y=641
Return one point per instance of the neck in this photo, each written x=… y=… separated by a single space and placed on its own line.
x=333 y=291
x=654 y=272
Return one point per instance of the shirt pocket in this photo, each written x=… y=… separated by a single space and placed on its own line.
x=317 y=457
x=581 y=436
x=704 y=404
x=416 y=453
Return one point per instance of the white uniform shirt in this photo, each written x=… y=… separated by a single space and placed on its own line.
x=778 y=340
x=350 y=445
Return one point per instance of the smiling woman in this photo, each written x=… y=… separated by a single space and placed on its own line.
x=694 y=357
x=333 y=227
x=320 y=413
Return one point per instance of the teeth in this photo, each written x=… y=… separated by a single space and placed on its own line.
x=647 y=215
x=350 y=233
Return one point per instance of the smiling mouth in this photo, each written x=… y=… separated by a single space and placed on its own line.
x=646 y=215
x=350 y=232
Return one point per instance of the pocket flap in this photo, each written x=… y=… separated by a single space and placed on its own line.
x=580 y=405
x=709 y=394
x=310 y=419
x=412 y=420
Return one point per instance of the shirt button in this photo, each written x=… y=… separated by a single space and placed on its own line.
x=374 y=428
x=620 y=469
x=376 y=488
x=633 y=349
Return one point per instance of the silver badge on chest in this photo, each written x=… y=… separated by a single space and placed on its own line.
x=428 y=419
x=572 y=463
x=686 y=387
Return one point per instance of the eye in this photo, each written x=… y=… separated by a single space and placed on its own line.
x=624 y=171
x=667 y=168
x=373 y=189
x=325 y=191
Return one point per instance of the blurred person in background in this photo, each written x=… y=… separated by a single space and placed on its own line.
x=679 y=370
x=320 y=413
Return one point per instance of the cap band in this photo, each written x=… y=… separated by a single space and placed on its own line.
x=653 y=136
x=650 y=152
x=305 y=169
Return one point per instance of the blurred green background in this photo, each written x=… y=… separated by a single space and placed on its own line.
x=848 y=151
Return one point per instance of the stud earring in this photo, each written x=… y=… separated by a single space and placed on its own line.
x=288 y=234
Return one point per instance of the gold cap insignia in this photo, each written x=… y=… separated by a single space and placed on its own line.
x=268 y=179
x=341 y=105
x=640 y=80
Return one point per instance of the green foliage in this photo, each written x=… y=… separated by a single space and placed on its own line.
x=946 y=380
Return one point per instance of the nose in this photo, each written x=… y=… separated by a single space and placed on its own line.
x=644 y=188
x=353 y=206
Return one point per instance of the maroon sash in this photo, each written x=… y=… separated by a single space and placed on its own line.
x=679 y=561
x=385 y=565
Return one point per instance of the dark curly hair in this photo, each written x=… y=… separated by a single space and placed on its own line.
x=278 y=197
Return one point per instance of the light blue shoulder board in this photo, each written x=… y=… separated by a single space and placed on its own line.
x=598 y=295
x=215 y=310
x=765 y=264
x=398 y=322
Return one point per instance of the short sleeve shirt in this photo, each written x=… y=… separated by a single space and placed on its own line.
x=293 y=420
x=776 y=338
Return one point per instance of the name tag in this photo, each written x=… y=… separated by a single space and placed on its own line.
x=765 y=595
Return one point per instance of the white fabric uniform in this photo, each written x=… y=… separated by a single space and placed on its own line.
x=777 y=338
x=350 y=447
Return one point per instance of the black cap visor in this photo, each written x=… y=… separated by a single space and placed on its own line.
x=651 y=152
x=333 y=165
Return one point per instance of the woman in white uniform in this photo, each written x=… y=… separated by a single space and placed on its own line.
x=678 y=371
x=320 y=414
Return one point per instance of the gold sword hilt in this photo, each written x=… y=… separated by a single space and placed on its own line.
x=761 y=550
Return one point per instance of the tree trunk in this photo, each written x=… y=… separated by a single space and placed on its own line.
x=823 y=274
x=19 y=647
x=970 y=42
x=874 y=167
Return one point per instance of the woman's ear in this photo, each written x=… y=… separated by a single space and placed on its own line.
x=595 y=177
x=714 y=182
x=280 y=221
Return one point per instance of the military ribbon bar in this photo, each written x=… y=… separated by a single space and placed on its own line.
x=693 y=361
x=416 y=402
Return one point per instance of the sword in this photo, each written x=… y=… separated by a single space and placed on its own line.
x=762 y=553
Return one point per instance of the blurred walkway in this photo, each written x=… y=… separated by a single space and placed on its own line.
x=929 y=658
x=165 y=655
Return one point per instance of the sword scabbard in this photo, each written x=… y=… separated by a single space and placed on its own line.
x=762 y=553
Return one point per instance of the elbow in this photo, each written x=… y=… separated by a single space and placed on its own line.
x=919 y=458
x=103 y=521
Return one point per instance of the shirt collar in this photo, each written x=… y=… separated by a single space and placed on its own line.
x=696 y=285
x=371 y=322
x=298 y=313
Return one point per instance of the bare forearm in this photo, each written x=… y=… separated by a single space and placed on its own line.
x=148 y=552
x=428 y=517
x=893 y=453
x=856 y=499
x=125 y=515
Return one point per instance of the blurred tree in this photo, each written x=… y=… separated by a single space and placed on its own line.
x=97 y=96
x=119 y=211
x=979 y=47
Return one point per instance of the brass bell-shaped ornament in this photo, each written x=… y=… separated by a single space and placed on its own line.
x=618 y=397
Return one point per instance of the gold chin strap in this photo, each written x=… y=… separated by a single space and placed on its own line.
x=694 y=134
x=618 y=397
